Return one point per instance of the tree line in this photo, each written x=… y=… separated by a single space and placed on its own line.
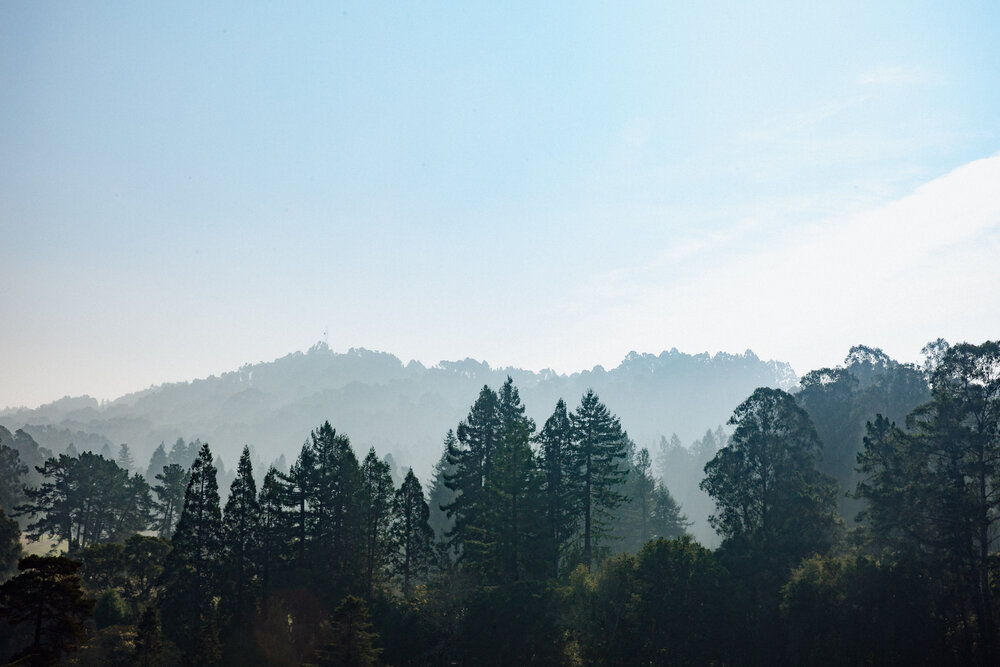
x=553 y=545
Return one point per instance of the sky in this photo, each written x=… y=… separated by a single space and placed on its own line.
x=187 y=189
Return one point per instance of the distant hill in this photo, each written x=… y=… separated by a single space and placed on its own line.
x=402 y=409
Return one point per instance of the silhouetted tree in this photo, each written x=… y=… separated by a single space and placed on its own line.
x=410 y=533
x=46 y=598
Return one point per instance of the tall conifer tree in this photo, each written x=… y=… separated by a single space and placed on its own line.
x=598 y=468
x=241 y=540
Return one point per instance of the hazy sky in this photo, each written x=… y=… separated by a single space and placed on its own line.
x=187 y=189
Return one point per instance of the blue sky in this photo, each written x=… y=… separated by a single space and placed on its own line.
x=186 y=189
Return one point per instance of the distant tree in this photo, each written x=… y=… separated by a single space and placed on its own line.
x=10 y=545
x=440 y=495
x=124 y=459
x=376 y=507
x=47 y=598
x=191 y=570
x=666 y=520
x=173 y=482
x=599 y=467
x=86 y=501
x=157 y=462
x=240 y=548
x=410 y=533
x=181 y=454
x=12 y=476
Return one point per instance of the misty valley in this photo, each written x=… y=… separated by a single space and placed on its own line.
x=845 y=517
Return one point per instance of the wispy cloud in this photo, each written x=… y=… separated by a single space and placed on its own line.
x=884 y=276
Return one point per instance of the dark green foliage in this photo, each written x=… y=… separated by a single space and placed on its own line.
x=560 y=511
x=172 y=483
x=598 y=468
x=149 y=643
x=334 y=520
x=241 y=548
x=857 y=610
x=935 y=489
x=765 y=483
x=514 y=624
x=87 y=500
x=664 y=606
x=110 y=609
x=471 y=461
x=47 y=599
x=191 y=571
x=376 y=493
x=352 y=644
x=273 y=530
x=10 y=545
x=841 y=400
x=411 y=536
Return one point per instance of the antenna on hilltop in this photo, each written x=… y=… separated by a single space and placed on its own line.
x=325 y=341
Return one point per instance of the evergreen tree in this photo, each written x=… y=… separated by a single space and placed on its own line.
x=124 y=458
x=191 y=572
x=241 y=548
x=353 y=642
x=376 y=506
x=273 y=529
x=765 y=483
x=12 y=473
x=471 y=460
x=410 y=533
x=936 y=489
x=598 y=468
x=333 y=509
x=148 y=640
x=512 y=492
x=157 y=462
x=46 y=598
x=556 y=460
x=440 y=495
x=173 y=482
x=297 y=495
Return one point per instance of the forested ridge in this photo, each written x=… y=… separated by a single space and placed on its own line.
x=857 y=520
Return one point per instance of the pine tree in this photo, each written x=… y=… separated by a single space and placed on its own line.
x=376 y=507
x=273 y=529
x=410 y=533
x=333 y=510
x=598 y=466
x=440 y=495
x=192 y=568
x=156 y=463
x=241 y=548
x=471 y=459
x=124 y=459
x=555 y=460
x=298 y=491
x=173 y=482
x=513 y=488
x=353 y=642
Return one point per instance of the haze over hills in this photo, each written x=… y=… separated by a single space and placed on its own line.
x=400 y=409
